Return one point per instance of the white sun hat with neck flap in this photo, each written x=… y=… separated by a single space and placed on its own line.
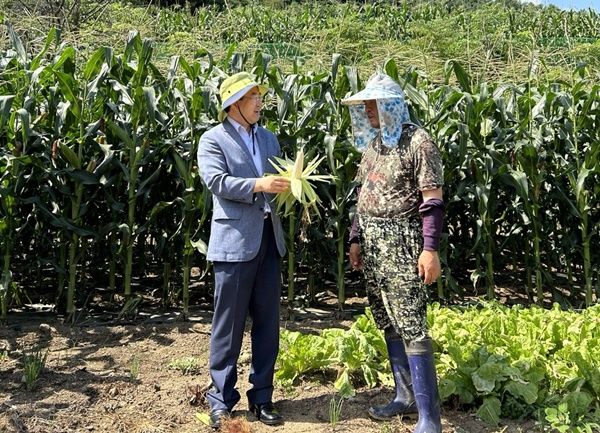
x=392 y=108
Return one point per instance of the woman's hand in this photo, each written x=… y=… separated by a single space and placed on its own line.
x=429 y=266
x=355 y=257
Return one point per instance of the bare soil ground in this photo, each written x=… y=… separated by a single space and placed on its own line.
x=116 y=378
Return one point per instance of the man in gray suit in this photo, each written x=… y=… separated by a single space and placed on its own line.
x=245 y=246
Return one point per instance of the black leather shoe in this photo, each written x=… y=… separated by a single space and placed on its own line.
x=216 y=416
x=266 y=413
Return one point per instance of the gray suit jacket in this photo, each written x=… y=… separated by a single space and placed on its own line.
x=227 y=169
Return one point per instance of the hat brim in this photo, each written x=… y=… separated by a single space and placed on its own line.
x=262 y=88
x=369 y=94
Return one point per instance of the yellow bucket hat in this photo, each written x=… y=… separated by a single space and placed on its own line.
x=235 y=87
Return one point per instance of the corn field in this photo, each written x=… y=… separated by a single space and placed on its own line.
x=493 y=40
x=100 y=196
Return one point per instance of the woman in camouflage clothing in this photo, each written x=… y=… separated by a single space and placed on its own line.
x=395 y=238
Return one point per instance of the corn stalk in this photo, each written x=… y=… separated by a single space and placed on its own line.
x=73 y=147
x=130 y=132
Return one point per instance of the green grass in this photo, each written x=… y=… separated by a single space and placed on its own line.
x=335 y=410
x=134 y=368
x=188 y=365
x=33 y=365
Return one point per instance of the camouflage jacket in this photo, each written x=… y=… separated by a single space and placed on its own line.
x=392 y=178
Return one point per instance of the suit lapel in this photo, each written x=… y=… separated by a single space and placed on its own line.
x=263 y=145
x=235 y=137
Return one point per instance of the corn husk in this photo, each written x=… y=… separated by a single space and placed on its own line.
x=301 y=190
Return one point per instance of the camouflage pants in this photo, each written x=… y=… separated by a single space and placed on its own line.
x=397 y=296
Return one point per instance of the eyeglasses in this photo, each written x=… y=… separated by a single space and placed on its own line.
x=255 y=98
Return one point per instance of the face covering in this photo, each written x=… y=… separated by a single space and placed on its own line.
x=391 y=106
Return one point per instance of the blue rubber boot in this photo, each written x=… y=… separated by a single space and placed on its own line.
x=422 y=369
x=404 y=401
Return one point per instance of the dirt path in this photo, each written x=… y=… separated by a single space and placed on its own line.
x=117 y=379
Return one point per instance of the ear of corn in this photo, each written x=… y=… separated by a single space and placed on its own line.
x=301 y=190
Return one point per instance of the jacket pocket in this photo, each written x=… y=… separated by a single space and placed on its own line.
x=227 y=213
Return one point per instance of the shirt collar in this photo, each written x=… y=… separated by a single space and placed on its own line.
x=239 y=128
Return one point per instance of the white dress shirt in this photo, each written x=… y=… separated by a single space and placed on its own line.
x=251 y=141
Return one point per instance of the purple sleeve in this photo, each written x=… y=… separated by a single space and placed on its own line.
x=432 y=215
x=354 y=229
